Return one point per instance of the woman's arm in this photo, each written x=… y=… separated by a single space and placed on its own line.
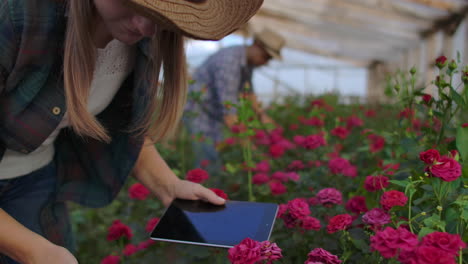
x=25 y=246
x=152 y=171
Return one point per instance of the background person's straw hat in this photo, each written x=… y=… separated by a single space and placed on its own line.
x=199 y=19
x=271 y=41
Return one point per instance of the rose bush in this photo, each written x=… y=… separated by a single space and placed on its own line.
x=354 y=183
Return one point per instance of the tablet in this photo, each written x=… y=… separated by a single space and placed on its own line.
x=202 y=223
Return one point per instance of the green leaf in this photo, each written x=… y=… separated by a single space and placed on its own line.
x=462 y=143
x=361 y=245
x=424 y=231
x=402 y=183
x=457 y=98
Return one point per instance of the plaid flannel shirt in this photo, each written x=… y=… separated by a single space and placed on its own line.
x=32 y=103
x=221 y=78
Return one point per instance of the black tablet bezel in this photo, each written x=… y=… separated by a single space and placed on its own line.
x=264 y=228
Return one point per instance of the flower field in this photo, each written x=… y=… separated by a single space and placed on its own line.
x=355 y=183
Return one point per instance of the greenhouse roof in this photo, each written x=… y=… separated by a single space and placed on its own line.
x=358 y=31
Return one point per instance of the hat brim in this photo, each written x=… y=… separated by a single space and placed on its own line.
x=198 y=19
x=273 y=53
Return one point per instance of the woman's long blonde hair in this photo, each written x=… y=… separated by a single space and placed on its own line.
x=166 y=101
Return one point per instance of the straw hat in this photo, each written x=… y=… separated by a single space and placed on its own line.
x=199 y=19
x=271 y=42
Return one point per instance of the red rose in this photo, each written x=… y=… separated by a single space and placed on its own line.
x=130 y=250
x=338 y=165
x=446 y=168
x=377 y=143
x=313 y=141
x=339 y=222
x=340 y=132
x=248 y=251
x=296 y=165
x=145 y=244
x=429 y=156
x=277 y=188
x=389 y=241
x=450 y=243
x=465 y=125
x=138 y=191
x=310 y=223
x=151 y=224
x=111 y=260
x=118 y=230
x=393 y=198
x=320 y=255
x=197 y=175
x=220 y=193
x=260 y=178
x=441 y=62
x=375 y=183
x=276 y=150
x=433 y=255
x=427 y=98
x=350 y=171
x=357 y=205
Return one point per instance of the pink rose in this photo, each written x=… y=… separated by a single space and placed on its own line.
x=138 y=192
x=357 y=205
x=339 y=222
x=446 y=168
x=197 y=175
x=375 y=183
x=329 y=196
x=270 y=251
x=447 y=242
x=354 y=121
x=429 y=156
x=376 y=217
x=111 y=260
x=298 y=208
x=248 y=251
x=118 y=230
x=393 y=198
x=322 y=256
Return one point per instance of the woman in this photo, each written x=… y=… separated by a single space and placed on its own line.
x=79 y=108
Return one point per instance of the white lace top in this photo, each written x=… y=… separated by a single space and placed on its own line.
x=113 y=64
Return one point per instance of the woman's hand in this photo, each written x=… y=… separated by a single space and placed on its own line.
x=152 y=171
x=52 y=254
x=187 y=190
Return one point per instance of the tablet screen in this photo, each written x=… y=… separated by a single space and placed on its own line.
x=201 y=223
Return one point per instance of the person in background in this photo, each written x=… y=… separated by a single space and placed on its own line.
x=80 y=108
x=221 y=78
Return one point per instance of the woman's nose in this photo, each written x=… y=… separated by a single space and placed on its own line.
x=145 y=26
